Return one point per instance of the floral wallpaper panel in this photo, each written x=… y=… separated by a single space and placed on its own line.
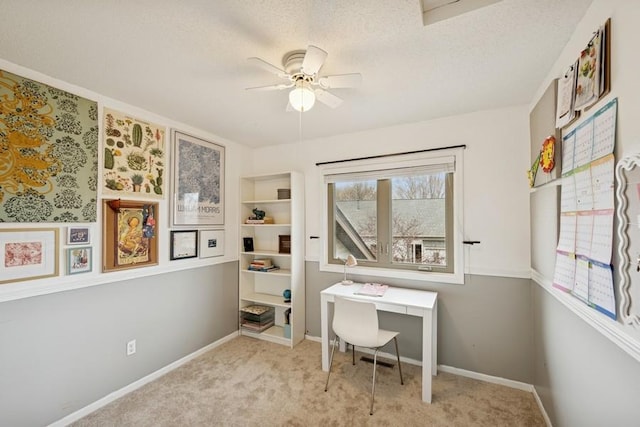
x=134 y=157
x=48 y=153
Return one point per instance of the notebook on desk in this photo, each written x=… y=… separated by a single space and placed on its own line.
x=372 y=289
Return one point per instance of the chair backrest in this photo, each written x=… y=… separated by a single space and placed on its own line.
x=356 y=322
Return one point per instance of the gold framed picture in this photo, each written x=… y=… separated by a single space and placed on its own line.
x=28 y=254
x=129 y=234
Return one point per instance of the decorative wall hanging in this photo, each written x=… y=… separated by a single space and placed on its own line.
x=184 y=244
x=198 y=181
x=28 y=253
x=547 y=154
x=48 y=153
x=129 y=234
x=134 y=157
x=78 y=236
x=587 y=80
x=79 y=260
x=211 y=243
x=543 y=136
x=627 y=174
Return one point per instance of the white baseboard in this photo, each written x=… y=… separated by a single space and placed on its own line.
x=547 y=420
x=139 y=383
x=486 y=378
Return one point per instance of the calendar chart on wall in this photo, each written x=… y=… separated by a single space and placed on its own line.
x=585 y=243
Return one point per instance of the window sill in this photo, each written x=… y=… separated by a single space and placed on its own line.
x=425 y=276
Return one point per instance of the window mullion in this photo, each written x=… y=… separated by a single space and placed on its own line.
x=384 y=222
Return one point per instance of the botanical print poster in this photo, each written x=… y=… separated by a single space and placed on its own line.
x=198 y=181
x=48 y=153
x=134 y=156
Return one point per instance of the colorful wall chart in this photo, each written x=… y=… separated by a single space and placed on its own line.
x=585 y=244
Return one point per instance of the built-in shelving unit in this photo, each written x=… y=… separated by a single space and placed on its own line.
x=267 y=288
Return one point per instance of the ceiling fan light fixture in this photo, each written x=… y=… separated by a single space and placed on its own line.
x=302 y=96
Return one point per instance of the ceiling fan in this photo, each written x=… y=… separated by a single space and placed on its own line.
x=300 y=70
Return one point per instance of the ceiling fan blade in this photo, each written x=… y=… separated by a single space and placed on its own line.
x=271 y=87
x=313 y=60
x=328 y=98
x=268 y=67
x=340 y=81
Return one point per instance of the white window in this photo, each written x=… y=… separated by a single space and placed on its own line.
x=399 y=216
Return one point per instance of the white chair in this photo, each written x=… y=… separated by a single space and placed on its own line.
x=356 y=323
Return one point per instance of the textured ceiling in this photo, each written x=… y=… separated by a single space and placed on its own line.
x=186 y=60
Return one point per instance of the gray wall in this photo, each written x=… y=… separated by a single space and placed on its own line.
x=61 y=352
x=582 y=378
x=484 y=325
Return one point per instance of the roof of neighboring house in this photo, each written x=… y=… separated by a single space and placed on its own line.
x=428 y=214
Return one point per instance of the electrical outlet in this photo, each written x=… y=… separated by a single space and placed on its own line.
x=131 y=347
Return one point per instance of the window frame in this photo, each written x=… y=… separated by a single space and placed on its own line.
x=379 y=165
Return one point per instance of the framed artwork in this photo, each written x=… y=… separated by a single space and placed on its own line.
x=184 y=244
x=28 y=253
x=247 y=244
x=284 y=244
x=129 y=234
x=198 y=181
x=79 y=260
x=211 y=243
x=49 y=159
x=78 y=236
x=134 y=157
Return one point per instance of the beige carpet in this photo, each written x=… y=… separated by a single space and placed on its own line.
x=248 y=382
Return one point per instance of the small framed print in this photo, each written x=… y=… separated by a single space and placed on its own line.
x=247 y=244
x=79 y=260
x=78 y=236
x=211 y=243
x=284 y=244
x=184 y=244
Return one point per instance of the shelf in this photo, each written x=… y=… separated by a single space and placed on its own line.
x=266 y=287
x=266 y=225
x=280 y=272
x=274 y=334
x=273 y=300
x=266 y=253
x=253 y=202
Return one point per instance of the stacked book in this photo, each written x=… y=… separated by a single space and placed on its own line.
x=263 y=265
x=257 y=318
x=265 y=220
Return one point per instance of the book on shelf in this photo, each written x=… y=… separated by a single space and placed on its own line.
x=265 y=220
x=256 y=309
x=262 y=262
x=257 y=327
x=263 y=269
x=372 y=289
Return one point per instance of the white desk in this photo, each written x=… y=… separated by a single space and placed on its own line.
x=397 y=300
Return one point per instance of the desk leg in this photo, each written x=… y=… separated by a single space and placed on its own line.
x=434 y=340
x=324 y=331
x=427 y=354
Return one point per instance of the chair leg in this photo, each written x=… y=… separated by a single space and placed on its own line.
x=398 y=355
x=373 y=385
x=333 y=349
x=353 y=354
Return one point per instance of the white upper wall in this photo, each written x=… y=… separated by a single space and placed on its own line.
x=496 y=199
x=235 y=166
